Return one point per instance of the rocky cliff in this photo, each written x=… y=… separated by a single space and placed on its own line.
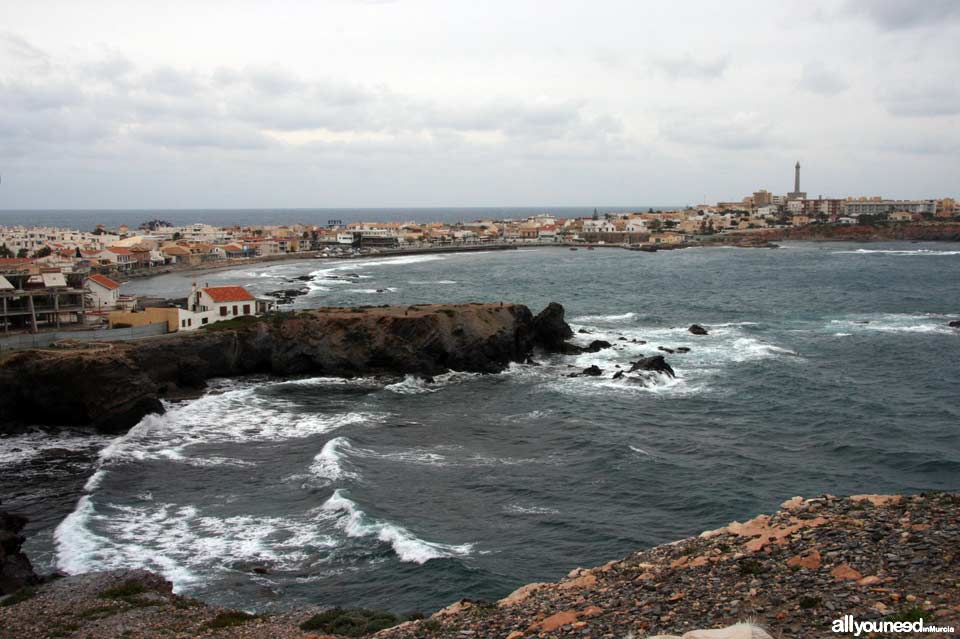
x=111 y=386
x=876 y=557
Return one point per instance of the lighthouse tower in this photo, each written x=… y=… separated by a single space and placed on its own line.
x=796 y=194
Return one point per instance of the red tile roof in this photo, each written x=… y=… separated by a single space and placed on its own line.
x=118 y=250
x=228 y=294
x=104 y=281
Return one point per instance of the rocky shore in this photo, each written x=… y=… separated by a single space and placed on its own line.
x=876 y=557
x=111 y=386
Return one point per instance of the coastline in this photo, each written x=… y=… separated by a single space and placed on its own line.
x=756 y=238
x=794 y=573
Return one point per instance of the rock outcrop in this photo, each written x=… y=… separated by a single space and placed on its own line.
x=16 y=572
x=654 y=364
x=696 y=329
x=551 y=330
x=112 y=388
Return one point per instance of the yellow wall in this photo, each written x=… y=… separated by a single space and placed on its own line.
x=146 y=316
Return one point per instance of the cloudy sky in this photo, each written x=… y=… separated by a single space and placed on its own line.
x=339 y=103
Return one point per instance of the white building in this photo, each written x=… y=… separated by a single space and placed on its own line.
x=212 y=304
x=103 y=292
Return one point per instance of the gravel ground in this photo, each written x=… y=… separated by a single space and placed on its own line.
x=871 y=556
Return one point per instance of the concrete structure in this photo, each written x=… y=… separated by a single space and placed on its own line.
x=880 y=207
x=32 y=297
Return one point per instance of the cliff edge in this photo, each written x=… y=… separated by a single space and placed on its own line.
x=111 y=386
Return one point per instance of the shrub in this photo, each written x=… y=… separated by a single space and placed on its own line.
x=124 y=590
x=230 y=618
x=350 y=622
x=21 y=595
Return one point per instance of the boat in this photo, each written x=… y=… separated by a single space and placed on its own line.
x=573 y=248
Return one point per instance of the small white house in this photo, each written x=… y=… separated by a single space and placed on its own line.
x=104 y=292
x=211 y=304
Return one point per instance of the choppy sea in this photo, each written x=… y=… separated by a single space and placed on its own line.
x=828 y=368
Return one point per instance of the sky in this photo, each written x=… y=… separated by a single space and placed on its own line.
x=408 y=103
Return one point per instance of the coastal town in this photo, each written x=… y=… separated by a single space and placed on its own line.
x=55 y=278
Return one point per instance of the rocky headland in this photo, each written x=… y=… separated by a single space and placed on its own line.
x=111 y=386
x=793 y=573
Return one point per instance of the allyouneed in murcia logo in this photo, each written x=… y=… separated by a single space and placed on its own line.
x=847 y=624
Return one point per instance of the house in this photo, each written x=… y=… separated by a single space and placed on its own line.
x=119 y=257
x=102 y=292
x=900 y=216
x=210 y=304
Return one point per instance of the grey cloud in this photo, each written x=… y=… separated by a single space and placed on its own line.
x=39 y=94
x=927 y=101
x=741 y=131
x=817 y=78
x=169 y=81
x=18 y=47
x=905 y=14
x=210 y=134
x=687 y=66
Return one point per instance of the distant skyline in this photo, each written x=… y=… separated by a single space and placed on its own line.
x=448 y=103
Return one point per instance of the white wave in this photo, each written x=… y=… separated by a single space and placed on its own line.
x=412 y=385
x=328 y=464
x=842 y=334
x=605 y=318
x=17 y=449
x=416 y=385
x=372 y=290
x=930 y=323
x=355 y=523
x=179 y=542
x=94 y=481
x=518 y=509
x=925 y=252
x=432 y=282
x=639 y=450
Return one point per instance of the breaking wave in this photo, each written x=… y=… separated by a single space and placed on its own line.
x=408 y=547
x=328 y=464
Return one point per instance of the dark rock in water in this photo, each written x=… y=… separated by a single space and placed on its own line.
x=618 y=375
x=621 y=339
x=15 y=568
x=954 y=324
x=550 y=328
x=696 y=329
x=573 y=375
x=655 y=363
x=584 y=331
x=597 y=345
x=683 y=349
x=638 y=341
x=304 y=278
x=665 y=349
x=593 y=371
x=381 y=290
x=531 y=362
x=571 y=349
x=428 y=380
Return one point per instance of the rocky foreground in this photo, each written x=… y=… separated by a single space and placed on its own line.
x=111 y=386
x=874 y=557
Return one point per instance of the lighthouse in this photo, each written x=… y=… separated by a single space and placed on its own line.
x=796 y=194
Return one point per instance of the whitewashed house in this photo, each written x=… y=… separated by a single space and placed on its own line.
x=211 y=304
x=103 y=292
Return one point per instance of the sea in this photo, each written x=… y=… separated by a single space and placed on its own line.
x=828 y=368
x=87 y=220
